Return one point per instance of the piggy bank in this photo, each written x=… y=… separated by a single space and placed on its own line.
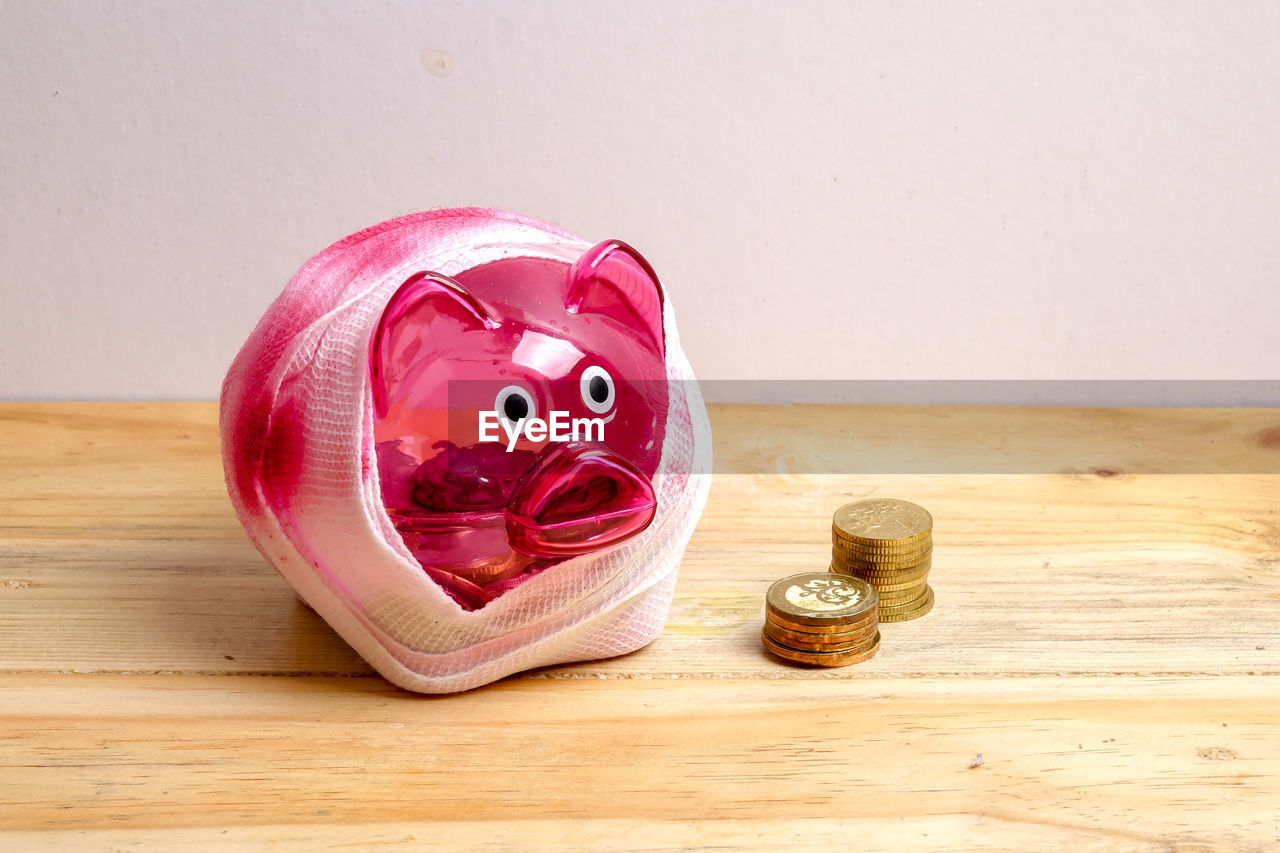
x=472 y=443
x=558 y=356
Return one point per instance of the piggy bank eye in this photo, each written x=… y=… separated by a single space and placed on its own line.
x=597 y=389
x=514 y=404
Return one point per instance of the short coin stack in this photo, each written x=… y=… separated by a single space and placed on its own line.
x=821 y=619
x=889 y=544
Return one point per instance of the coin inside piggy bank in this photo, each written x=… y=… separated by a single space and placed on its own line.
x=520 y=409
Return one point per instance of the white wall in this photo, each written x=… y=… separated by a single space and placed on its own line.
x=831 y=190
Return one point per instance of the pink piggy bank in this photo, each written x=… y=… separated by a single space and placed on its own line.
x=472 y=443
x=557 y=355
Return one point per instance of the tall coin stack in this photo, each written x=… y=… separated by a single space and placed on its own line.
x=821 y=619
x=889 y=544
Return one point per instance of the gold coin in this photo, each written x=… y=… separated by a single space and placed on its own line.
x=821 y=598
x=918 y=546
x=860 y=646
x=879 y=573
x=886 y=568
x=864 y=570
x=902 y=605
x=899 y=589
x=807 y=639
x=891 y=560
x=886 y=589
x=888 y=581
x=825 y=630
x=896 y=588
x=911 y=597
x=925 y=606
x=822 y=658
x=882 y=521
x=880 y=553
x=889 y=590
x=852 y=646
x=882 y=568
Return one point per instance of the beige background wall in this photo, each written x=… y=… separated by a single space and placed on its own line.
x=831 y=190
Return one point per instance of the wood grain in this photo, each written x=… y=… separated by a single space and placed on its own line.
x=1107 y=635
x=1121 y=763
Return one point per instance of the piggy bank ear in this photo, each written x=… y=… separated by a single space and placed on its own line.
x=615 y=280
x=424 y=313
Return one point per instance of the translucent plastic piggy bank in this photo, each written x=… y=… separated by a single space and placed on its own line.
x=472 y=443
x=566 y=362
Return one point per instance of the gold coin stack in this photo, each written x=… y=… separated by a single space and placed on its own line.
x=821 y=619
x=889 y=544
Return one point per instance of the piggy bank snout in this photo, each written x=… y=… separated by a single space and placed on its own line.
x=576 y=498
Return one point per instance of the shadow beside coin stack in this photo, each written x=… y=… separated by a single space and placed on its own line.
x=889 y=544
x=821 y=619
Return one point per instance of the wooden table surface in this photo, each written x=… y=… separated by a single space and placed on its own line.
x=1106 y=637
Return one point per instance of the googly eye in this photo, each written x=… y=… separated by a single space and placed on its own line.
x=514 y=404
x=597 y=390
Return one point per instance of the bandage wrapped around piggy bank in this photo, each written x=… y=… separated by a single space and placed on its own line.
x=472 y=443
